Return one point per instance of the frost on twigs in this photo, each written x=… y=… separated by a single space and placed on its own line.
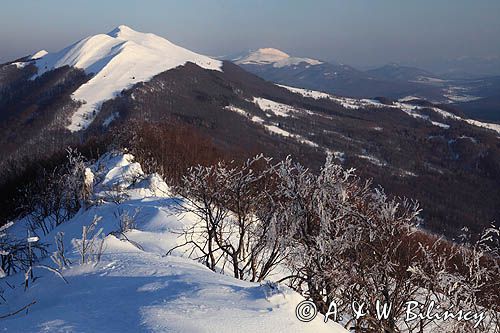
x=126 y=220
x=18 y=254
x=91 y=246
x=59 y=256
x=340 y=239
x=58 y=194
x=238 y=222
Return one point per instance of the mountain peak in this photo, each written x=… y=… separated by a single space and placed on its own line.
x=269 y=51
x=123 y=27
x=272 y=56
x=122 y=30
x=262 y=56
x=117 y=60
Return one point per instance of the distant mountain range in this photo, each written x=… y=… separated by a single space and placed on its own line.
x=467 y=67
x=477 y=97
x=396 y=72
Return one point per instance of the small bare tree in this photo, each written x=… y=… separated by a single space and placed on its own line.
x=77 y=183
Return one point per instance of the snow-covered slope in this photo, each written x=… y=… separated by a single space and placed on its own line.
x=118 y=60
x=403 y=104
x=270 y=56
x=137 y=288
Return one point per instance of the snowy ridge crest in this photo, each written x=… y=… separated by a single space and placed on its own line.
x=117 y=60
x=135 y=287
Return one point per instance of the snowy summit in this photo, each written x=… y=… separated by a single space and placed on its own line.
x=275 y=57
x=117 y=60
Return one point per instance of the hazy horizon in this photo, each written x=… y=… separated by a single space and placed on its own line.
x=428 y=34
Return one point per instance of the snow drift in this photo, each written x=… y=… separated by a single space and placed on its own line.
x=136 y=287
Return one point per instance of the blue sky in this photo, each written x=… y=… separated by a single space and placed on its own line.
x=358 y=32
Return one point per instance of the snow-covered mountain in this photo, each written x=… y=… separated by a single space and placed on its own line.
x=131 y=78
x=142 y=93
x=117 y=60
x=136 y=287
x=280 y=67
x=274 y=57
x=392 y=80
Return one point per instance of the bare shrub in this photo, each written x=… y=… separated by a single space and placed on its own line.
x=237 y=221
x=18 y=255
x=126 y=220
x=341 y=240
x=91 y=246
x=59 y=256
x=57 y=195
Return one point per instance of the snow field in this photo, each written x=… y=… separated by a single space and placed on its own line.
x=136 y=287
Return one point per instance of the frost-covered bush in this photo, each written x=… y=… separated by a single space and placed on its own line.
x=59 y=256
x=18 y=255
x=465 y=276
x=57 y=194
x=91 y=246
x=126 y=220
x=355 y=243
x=341 y=240
x=238 y=226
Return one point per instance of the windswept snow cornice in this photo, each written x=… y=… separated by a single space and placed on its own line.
x=117 y=60
x=275 y=57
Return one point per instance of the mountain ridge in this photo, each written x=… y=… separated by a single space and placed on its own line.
x=274 y=57
x=245 y=114
x=117 y=60
x=393 y=80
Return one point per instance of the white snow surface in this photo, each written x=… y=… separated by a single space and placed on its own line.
x=20 y=65
x=141 y=289
x=268 y=56
x=279 y=110
x=348 y=103
x=39 y=54
x=403 y=105
x=118 y=60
